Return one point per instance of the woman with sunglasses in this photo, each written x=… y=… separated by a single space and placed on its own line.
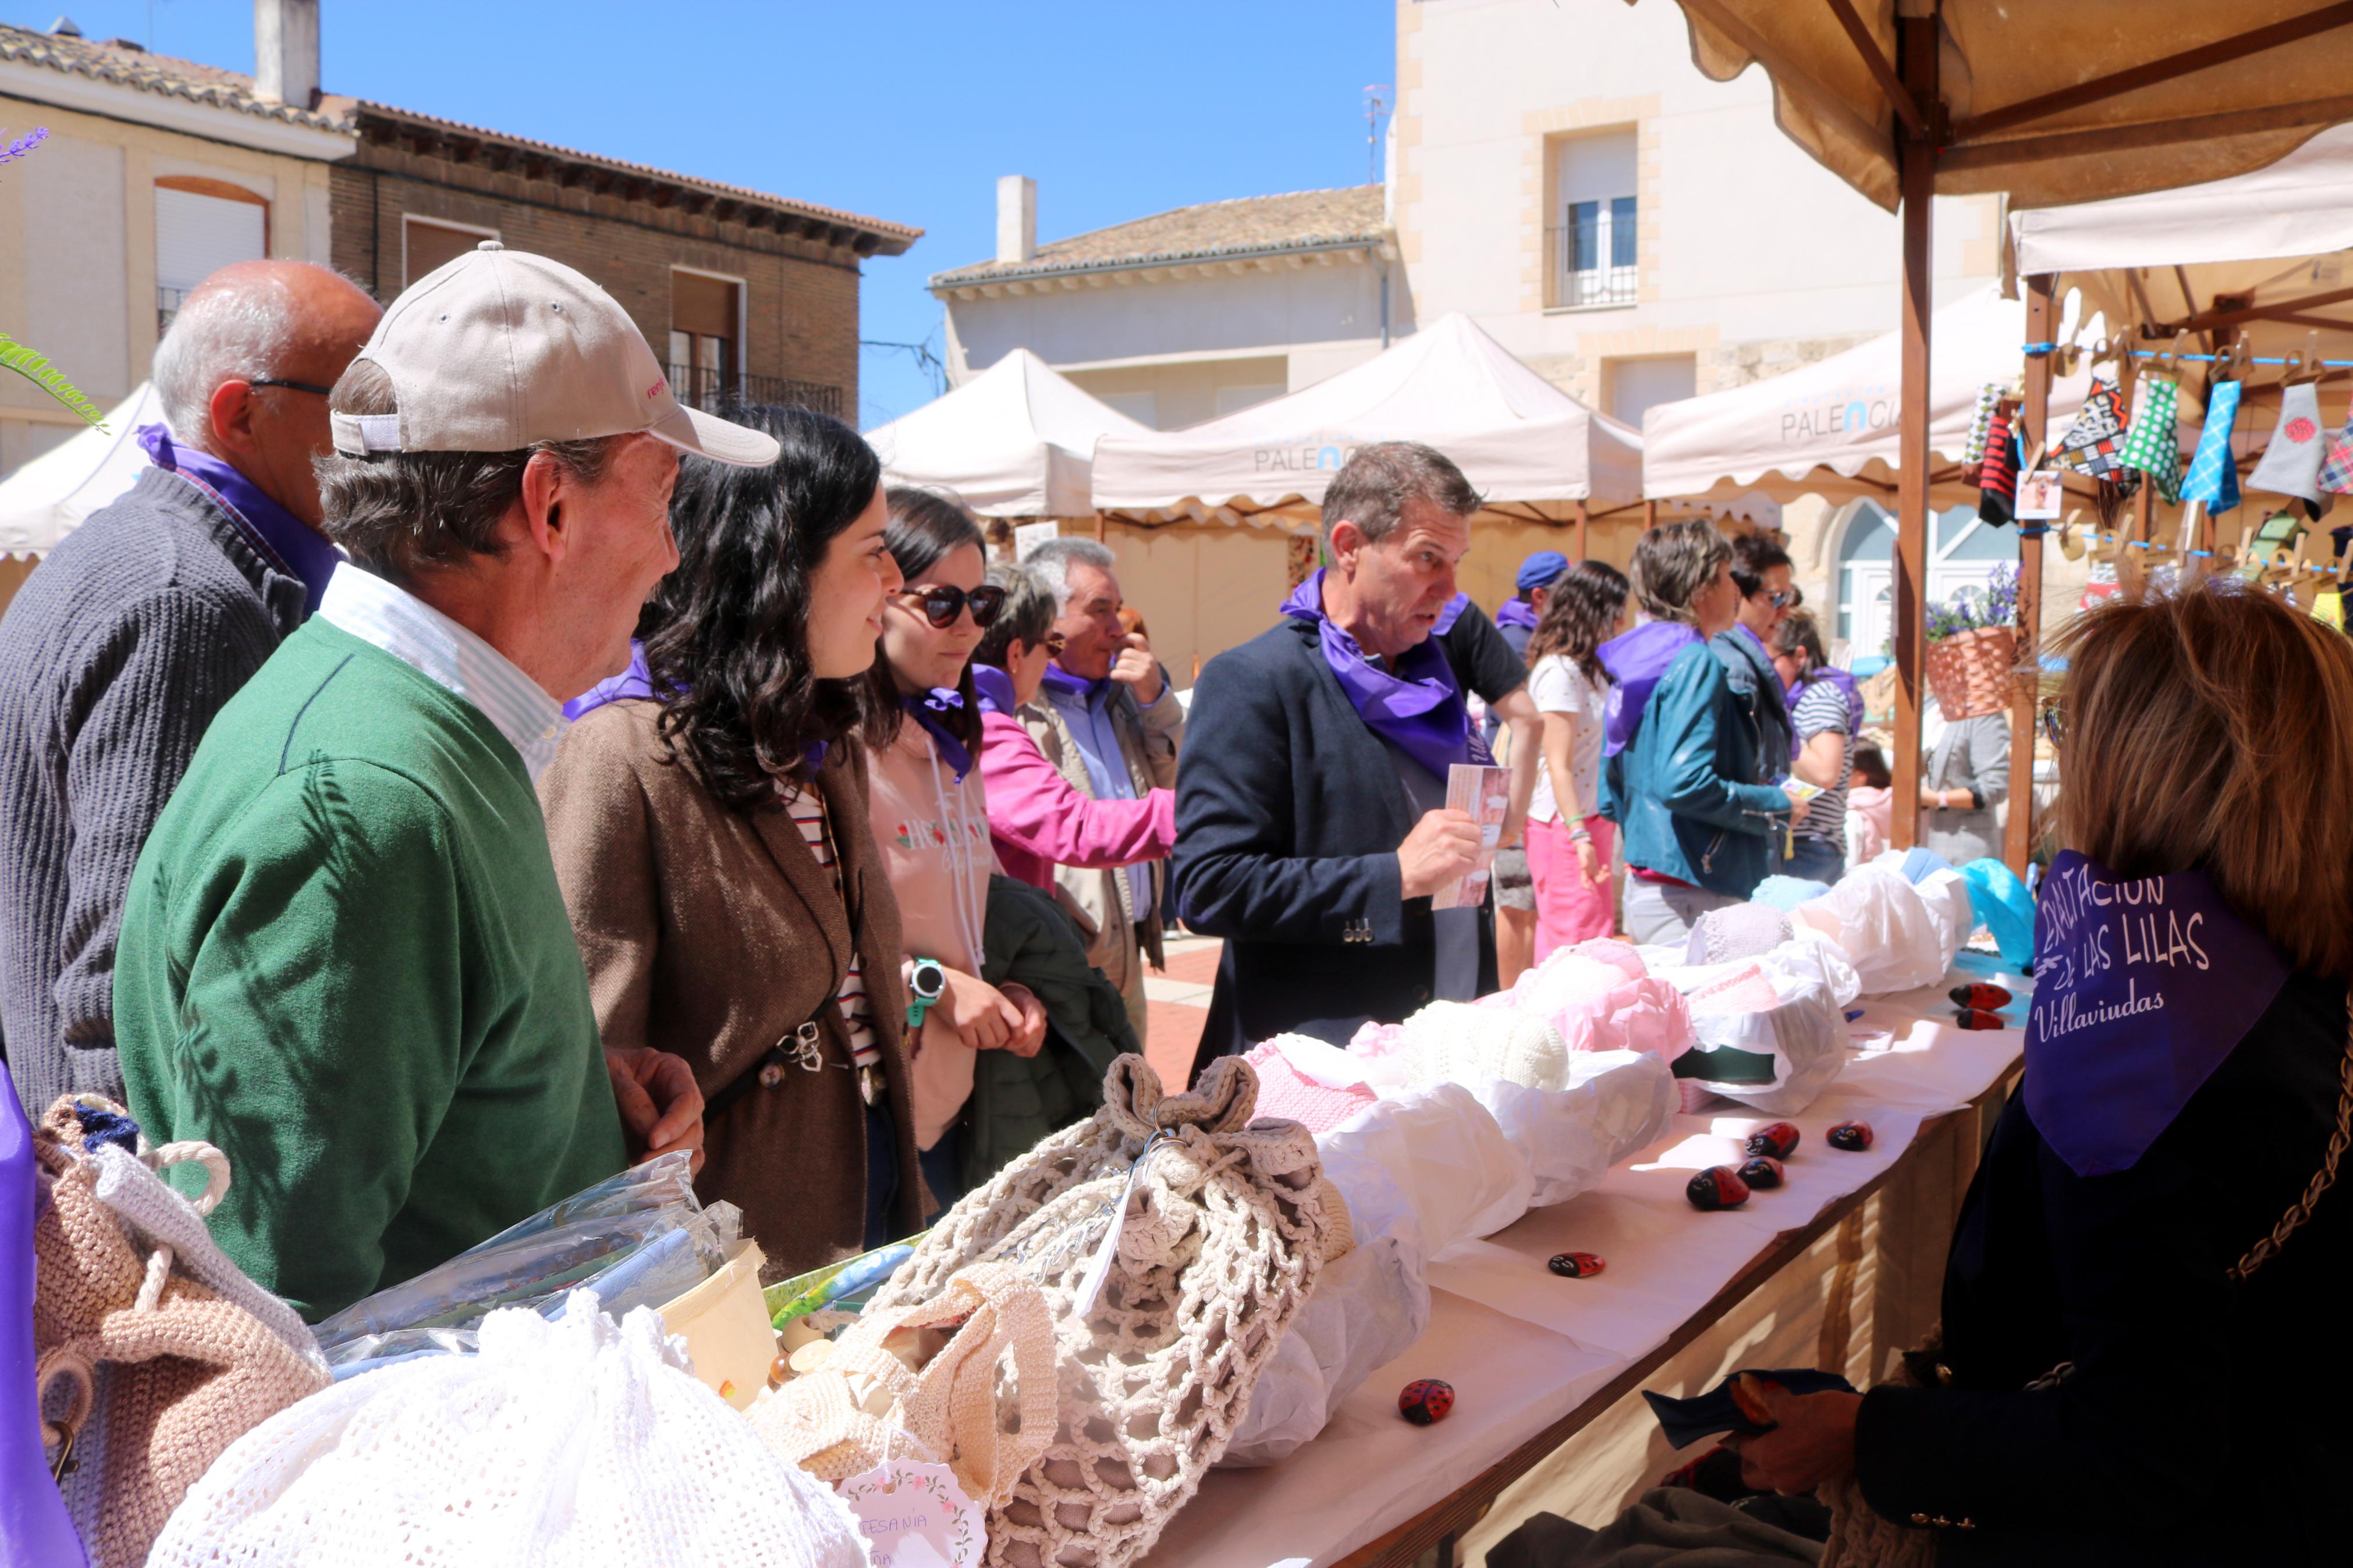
x=931 y=820
x=707 y=815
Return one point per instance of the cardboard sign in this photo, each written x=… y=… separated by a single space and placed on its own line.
x=2040 y=495
x=915 y=1516
x=1485 y=794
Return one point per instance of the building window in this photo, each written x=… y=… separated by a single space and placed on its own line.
x=429 y=243
x=1962 y=553
x=1639 y=385
x=201 y=227
x=704 y=361
x=1594 y=240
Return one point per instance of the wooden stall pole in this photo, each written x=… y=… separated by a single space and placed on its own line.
x=1650 y=515
x=2018 y=834
x=1583 y=553
x=1916 y=48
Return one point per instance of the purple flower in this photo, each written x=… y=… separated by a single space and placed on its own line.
x=22 y=145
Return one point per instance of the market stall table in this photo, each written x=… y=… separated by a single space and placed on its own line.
x=1533 y=1358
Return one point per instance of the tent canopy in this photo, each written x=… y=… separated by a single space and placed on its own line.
x=1524 y=444
x=47 y=499
x=1017 y=440
x=1830 y=428
x=2052 y=104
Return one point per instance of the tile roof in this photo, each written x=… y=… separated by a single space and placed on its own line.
x=1248 y=226
x=112 y=61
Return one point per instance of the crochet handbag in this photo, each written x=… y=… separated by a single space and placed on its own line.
x=155 y=1353
x=866 y=1404
x=1174 y=1241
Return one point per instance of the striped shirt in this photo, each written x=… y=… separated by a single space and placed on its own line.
x=414 y=632
x=807 y=808
x=1822 y=708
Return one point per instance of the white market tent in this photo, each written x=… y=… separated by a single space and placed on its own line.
x=1017 y=440
x=47 y=499
x=1529 y=447
x=1832 y=428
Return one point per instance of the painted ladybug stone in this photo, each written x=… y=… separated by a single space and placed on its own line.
x=1854 y=1137
x=1718 y=1187
x=1779 y=1141
x=1424 y=1400
x=1762 y=1171
x=1576 y=1265
x=1979 y=1018
x=1981 y=995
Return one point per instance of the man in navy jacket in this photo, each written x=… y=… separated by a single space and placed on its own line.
x=1311 y=819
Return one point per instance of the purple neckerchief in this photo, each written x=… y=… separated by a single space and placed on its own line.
x=1418 y=709
x=1447 y=616
x=2141 y=989
x=1637 y=662
x=994 y=688
x=1517 y=612
x=1090 y=692
x=636 y=684
x=287 y=542
x=927 y=710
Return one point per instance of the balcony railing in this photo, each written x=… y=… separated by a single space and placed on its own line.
x=1569 y=286
x=707 y=389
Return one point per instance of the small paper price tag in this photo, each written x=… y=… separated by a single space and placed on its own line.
x=2040 y=495
x=915 y=1516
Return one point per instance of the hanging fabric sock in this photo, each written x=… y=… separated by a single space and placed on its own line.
x=2213 y=474
x=2093 y=443
x=2291 y=465
x=2153 y=446
x=2337 y=468
x=1998 y=475
x=1980 y=422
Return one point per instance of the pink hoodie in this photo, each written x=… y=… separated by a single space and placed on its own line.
x=1038 y=822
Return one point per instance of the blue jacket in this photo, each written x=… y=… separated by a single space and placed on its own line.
x=1688 y=791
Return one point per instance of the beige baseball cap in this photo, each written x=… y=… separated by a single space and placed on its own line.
x=499 y=350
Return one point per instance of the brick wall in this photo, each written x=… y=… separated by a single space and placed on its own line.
x=800 y=295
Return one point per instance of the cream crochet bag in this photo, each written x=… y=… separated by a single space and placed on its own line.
x=865 y=1404
x=1215 y=1231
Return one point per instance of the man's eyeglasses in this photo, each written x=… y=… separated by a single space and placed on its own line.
x=942 y=605
x=289 y=386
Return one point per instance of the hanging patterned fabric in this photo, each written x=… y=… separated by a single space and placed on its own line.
x=1998 y=474
x=2214 y=472
x=2093 y=443
x=2153 y=446
x=2337 y=468
x=2291 y=465
x=1980 y=423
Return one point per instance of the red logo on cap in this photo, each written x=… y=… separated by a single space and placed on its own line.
x=657 y=389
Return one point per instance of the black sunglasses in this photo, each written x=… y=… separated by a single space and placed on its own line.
x=942 y=605
x=289 y=386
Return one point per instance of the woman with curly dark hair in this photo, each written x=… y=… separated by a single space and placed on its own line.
x=1568 y=839
x=707 y=812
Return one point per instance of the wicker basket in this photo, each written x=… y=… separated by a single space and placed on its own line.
x=1969 y=672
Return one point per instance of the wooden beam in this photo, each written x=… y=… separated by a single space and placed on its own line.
x=2116 y=83
x=1577 y=513
x=2318 y=324
x=1916 y=163
x=2206 y=320
x=2018 y=832
x=1884 y=74
x=1961 y=157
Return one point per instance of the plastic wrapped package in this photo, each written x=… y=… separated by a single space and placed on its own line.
x=1947 y=893
x=1429 y=1168
x=1615 y=1103
x=1885 y=927
x=1600 y=996
x=1772 y=1029
x=1735 y=930
x=1315 y=1101
x=638 y=1238
x=1457 y=1042
x=1368 y=1308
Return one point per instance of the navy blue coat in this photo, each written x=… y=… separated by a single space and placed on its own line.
x=1289 y=814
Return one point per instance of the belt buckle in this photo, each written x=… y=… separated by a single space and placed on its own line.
x=871 y=1086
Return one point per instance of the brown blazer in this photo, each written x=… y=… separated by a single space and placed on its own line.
x=714 y=933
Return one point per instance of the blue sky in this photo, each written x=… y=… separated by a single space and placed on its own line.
x=907 y=111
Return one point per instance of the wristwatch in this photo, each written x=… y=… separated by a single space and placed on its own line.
x=927 y=982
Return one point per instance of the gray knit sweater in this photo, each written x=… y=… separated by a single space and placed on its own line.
x=114 y=656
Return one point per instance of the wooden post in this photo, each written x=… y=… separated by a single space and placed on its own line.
x=1100 y=523
x=1916 y=46
x=2018 y=836
x=1583 y=553
x=1650 y=515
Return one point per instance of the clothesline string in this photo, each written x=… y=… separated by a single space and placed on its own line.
x=2035 y=350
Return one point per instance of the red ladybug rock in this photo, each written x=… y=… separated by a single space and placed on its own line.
x=1979 y=1018
x=1763 y=1172
x=1424 y=1400
x=1779 y=1141
x=1991 y=998
x=1576 y=1265
x=1718 y=1187
x=1854 y=1137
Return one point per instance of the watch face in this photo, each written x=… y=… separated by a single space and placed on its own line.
x=930 y=981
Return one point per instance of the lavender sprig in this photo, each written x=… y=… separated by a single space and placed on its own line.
x=23 y=144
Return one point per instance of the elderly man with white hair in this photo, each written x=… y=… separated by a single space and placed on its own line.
x=1107 y=718
x=132 y=633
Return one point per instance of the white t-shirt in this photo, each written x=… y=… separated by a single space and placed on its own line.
x=1557 y=686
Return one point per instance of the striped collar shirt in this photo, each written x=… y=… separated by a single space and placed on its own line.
x=404 y=625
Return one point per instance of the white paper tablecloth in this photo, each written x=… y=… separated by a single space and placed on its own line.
x=1523 y=1347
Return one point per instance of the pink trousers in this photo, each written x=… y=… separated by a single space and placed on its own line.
x=1569 y=909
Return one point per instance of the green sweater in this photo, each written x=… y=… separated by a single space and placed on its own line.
x=345 y=961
